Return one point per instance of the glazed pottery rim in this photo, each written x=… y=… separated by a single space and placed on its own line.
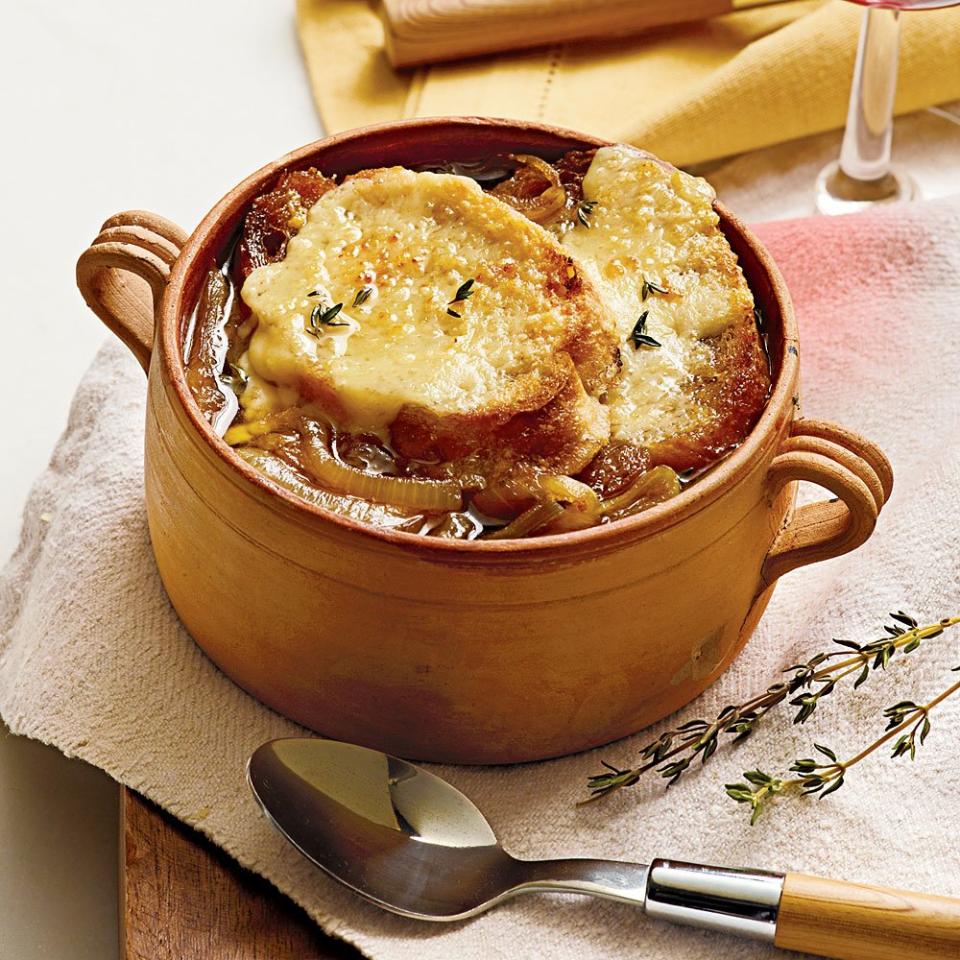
x=720 y=477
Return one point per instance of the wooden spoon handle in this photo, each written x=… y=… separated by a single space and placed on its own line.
x=853 y=921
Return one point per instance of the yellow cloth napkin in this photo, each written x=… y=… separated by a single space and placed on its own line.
x=688 y=93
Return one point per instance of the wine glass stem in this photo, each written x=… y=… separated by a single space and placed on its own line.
x=865 y=154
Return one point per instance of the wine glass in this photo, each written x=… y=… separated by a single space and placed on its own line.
x=864 y=175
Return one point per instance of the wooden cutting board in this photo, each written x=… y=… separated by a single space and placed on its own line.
x=181 y=898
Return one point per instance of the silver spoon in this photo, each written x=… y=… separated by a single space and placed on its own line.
x=411 y=843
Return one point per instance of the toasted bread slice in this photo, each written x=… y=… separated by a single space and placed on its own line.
x=694 y=375
x=416 y=306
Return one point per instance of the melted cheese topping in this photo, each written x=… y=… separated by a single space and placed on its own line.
x=412 y=239
x=652 y=222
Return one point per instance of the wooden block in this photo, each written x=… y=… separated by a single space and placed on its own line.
x=184 y=899
x=427 y=31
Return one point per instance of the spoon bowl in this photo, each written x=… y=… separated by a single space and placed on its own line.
x=396 y=834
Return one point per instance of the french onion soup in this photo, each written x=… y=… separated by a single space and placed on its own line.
x=494 y=350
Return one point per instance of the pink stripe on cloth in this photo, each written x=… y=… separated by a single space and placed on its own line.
x=878 y=307
x=841 y=270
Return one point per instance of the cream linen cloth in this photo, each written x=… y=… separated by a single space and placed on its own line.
x=688 y=93
x=93 y=659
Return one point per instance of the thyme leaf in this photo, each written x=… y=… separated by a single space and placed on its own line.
x=363 y=295
x=464 y=291
x=639 y=337
x=649 y=287
x=584 y=209
x=321 y=317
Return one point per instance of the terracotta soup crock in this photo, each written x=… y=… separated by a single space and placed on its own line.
x=473 y=652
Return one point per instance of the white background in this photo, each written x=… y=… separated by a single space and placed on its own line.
x=116 y=105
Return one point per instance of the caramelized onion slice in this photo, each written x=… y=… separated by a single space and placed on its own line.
x=508 y=498
x=208 y=344
x=582 y=508
x=456 y=526
x=650 y=488
x=280 y=472
x=540 y=206
x=539 y=515
x=522 y=489
x=577 y=494
x=405 y=492
x=546 y=170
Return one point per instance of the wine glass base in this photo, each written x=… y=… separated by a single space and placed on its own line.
x=837 y=192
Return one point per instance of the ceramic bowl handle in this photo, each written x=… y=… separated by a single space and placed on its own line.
x=139 y=243
x=852 y=468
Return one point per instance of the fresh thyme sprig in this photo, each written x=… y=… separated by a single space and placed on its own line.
x=672 y=753
x=321 y=316
x=906 y=720
x=584 y=209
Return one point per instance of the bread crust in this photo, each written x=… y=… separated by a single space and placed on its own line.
x=732 y=398
x=560 y=430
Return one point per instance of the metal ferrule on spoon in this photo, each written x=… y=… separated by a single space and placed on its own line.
x=740 y=902
x=744 y=903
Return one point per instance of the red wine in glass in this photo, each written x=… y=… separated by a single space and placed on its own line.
x=864 y=175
